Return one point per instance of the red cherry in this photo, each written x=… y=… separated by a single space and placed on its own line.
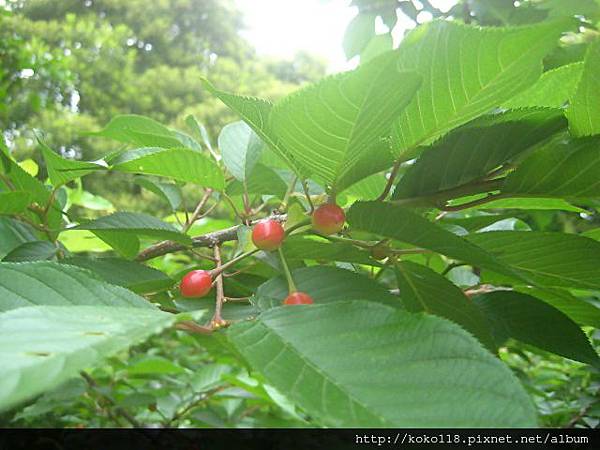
x=268 y=235
x=298 y=298
x=328 y=219
x=196 y=283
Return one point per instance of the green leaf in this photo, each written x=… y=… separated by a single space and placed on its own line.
x=337 y=129
x=358 y=34
x=23 y=182
x=301 y=247
x=180 y=164
x=13 y=234
x=61 y=170
x=240 y=149
x=263 y=180
x=584 y=111
x=169 y=192
x=400 y=223
x=32 y=251
x=140 y=131
x=531 y=203
x=131 y=275
x=553 y=89
x=377 y=45
x=81 y=336
x=474 y=150
x=578 y=309
x=154 y=365
x=326 y=284
x=255 y=112
x=14 y=202
x=368 y=188
x=535 y=322
x=363 y=364
x=121 y=230
x=550 y=259
x=566 y=167
x=54 y=284
x=467 y=71
x=199 y=130
x=422 y=289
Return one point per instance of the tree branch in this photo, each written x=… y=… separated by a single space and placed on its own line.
x=205 y=240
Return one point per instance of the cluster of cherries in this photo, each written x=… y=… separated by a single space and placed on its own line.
x=268 y=235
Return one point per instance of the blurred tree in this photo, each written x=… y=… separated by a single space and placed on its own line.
x=74 y=64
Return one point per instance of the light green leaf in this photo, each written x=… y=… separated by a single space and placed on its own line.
x=368 y=188
x=61 y=170
x=121 y=230
x=199 y=130
x=140 y=131
x=180 y=164
x=131 y=275
x=467 y=71
x=584 y=111
x=472 y=151
x=326 y=284
x=400 y=223
x=255 y=112
x=566 y=167
x=337 y=129
x=263 y=180
x=240 y=148
x=377 y=45
x=535 y=322
x=553 y=89
x=23 y=182
x=169 y=192
x=358 y=34
x=81 y=337
x=54 y=284
x=531 y=203
x=364 y=364
x=550 y=259
x=422 y=289
x=154 y=365
x=14 y=202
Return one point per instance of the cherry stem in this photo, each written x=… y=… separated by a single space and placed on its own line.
x=286 y=271
x=390 y=181
x=307 y=194
x=222 y=267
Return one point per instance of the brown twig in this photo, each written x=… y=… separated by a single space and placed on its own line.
x=193 y=327
x=116 y=408
x=190 y=221
x=205 y=240
x=217 y=321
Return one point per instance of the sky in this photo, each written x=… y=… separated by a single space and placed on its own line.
x=281 y=28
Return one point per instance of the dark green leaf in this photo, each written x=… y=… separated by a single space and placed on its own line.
x=535 y=322
x=422 y=289
x=352 y=364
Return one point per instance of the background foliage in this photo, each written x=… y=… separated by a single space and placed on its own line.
x=465 y=290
